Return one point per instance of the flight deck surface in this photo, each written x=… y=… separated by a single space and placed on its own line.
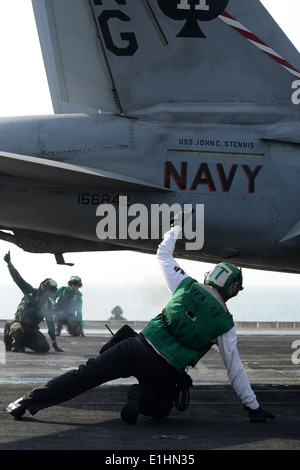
x=215 y=418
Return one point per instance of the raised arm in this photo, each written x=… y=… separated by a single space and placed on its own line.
x=171 y=270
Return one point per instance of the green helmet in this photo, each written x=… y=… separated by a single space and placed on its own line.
x=76 y=281
x=226 y=278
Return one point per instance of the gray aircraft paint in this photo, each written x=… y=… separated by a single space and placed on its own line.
x=186 y=103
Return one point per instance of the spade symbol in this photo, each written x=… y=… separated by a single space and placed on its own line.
x=192 y=11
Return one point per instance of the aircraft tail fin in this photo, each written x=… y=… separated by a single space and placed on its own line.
x=78 y=76
x=161 y=58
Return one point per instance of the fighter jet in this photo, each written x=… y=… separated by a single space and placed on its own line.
x=186 y=102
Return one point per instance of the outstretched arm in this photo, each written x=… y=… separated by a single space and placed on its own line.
x=238 y=377
x=172 y=272
x=25 y=287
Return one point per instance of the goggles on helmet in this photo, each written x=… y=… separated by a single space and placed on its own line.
x=49 y=284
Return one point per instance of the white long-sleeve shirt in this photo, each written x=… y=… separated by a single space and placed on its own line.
x=227 y=343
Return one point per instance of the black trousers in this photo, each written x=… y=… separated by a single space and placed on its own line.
x=125 y=359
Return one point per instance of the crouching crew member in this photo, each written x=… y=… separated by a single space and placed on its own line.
x=68 y=307
x=195 y=317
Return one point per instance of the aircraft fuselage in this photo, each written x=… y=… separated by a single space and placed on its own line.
x=248 y=184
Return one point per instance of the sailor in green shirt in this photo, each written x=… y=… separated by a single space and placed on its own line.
x=34 y=307
x=117 y=314
x=68 y=307
x=195 y=317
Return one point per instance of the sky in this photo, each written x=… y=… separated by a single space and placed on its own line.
x=24 y=91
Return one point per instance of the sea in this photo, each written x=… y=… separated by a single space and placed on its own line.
x=143 y=302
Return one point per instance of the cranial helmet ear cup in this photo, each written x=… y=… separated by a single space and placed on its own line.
x=233 y=289
x=235 y=286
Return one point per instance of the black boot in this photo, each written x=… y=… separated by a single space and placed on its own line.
x=16 y=409
x=130 y=410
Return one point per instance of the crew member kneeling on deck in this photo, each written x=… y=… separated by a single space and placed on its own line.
x=34 y=307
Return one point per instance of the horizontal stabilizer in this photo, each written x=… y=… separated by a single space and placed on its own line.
x=64 y=173
x=285 y=133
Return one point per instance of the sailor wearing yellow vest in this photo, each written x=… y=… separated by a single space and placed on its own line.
x=194 y=318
